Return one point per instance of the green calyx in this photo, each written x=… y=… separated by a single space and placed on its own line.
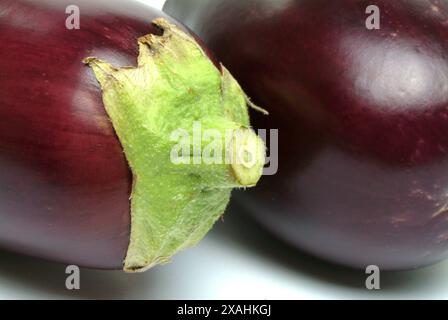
x=185 y=131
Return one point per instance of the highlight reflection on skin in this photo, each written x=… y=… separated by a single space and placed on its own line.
x=396 y=74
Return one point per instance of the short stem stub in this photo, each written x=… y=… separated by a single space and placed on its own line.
x=248 y=157
x=175 y=86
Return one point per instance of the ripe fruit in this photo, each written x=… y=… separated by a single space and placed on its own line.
x=85 y=133
x=362 y=117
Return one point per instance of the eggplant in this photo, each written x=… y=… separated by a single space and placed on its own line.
x=360 y=97
x=90 y=95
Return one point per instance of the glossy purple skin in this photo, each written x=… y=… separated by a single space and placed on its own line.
x=64 y=180
x=363 y=119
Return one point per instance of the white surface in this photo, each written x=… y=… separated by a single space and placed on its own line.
x=237 y=260
x=154 y=3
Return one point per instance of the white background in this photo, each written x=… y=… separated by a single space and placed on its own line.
x=237 y=260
